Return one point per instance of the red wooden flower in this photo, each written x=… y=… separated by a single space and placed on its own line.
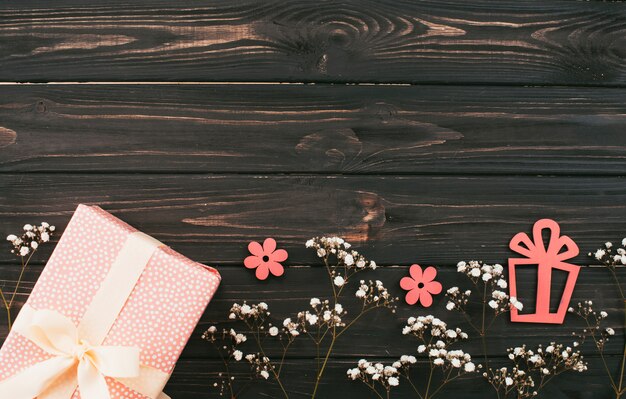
x=421 y=285
x=265 y=259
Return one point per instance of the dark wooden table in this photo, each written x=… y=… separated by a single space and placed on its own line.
x=422 y=131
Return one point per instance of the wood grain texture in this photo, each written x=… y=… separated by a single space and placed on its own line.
x=447 y=165
x=394 y=219
x=378 y=334
x=531 y=42
x=318 y=129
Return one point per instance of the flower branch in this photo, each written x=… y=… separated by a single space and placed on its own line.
x=323 y=322
x=24 y=247
x=445 y=364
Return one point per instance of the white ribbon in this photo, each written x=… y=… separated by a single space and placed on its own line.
x=75 y=362
x=78 y=357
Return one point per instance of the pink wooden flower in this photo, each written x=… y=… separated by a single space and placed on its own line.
x=421 y=285
x=265 y=259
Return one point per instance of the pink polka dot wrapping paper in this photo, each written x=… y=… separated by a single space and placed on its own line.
x=158 y=317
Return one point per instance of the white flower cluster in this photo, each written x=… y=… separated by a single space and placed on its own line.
x=477 y=270
x=611 y=256
x=594 y=320
x=436 y=339
x=261 y=365
x=421 y=325
x=255 y=312
x=492 y=276
x=229 y=349
x=30 y=240
x=374 y=294
x=290 y=327
x=534 y=365
x=516 y=381
x=228 y=335
x=209 y=334
x=500 y=302
x=547 y=360
x=370 y=373
x=237 y=338
x=326 y=246
x=442 y=357
x=322 y=314
x=224 y=383
x=457 y=299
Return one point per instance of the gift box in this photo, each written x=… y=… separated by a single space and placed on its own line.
x=108 y=318
x=546 y=258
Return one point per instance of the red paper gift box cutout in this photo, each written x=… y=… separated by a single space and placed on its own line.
x=559 y=249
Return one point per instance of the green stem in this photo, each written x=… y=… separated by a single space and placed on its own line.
x=262 y=351
x=430 y=378
x=282 y=360
x=413 y=385
x=617 y=283
x=19 y=280
x=483 y=338
x=483 y=333
x=8 y=309
x=228 y=375
x=469 y=321
x=608 y=372
x=619 y=390
x=321 y=372
x=621 y=373
x=447 y=380
x=330 y=277
x=482 y=326
x=373 y=388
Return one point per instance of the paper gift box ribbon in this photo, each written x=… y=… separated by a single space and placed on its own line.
x=559 y=249
x=78 y=358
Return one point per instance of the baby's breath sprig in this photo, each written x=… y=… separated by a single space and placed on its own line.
x=375 y=375
x=613 y=257
x=229 y=346
x=348 y=262
x=593 y=325
x=24 y=247
x=533 y=369
x=435 y=340
x=488 y=284
x=227 y=349
x=323 y=321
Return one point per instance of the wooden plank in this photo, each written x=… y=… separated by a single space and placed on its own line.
x=379 y=333
x=440 y=219
x=329 y=129
x=531 y=42
x=194 y=379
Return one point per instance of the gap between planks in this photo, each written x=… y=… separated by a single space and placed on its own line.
x=310 y=83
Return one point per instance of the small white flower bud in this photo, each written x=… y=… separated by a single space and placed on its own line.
x=339 y=281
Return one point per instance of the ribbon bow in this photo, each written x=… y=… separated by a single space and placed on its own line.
x=74 y=362
x=535 y=249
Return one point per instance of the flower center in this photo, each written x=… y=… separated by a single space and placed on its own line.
x=266 y=258
x=420 y=285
